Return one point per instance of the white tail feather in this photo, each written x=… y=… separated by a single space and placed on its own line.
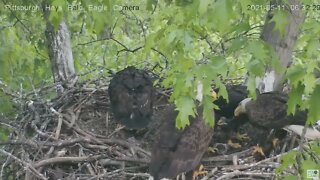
x=311 y=133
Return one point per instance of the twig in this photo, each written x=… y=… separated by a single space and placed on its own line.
x=241 y=173
x=58 y=130
x=161 y=53
x=228 y=157
x=43 y=134
x=136 y=174
x=90 y=42
x=245 y=166
x=211 y=173
x=29 y=143
x=3 y=166
x=57 y=160
x=145 y=161
x=25 y=164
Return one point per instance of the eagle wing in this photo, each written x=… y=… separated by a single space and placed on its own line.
x=176 y=151
x=269 y=110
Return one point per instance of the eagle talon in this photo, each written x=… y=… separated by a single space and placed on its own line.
x=199 y=172
x=213 y=150
x=234 y=145
x=242 y=137
x=222 y=122
x=258 y=150
x=275 y=142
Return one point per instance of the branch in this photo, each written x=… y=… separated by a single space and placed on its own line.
x=240 y=173
x=165 y=57
x=129 y=50
x=58 y=160
x=89 y=42
x=25 y=164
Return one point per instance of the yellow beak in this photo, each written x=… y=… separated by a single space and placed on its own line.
x=237 y=111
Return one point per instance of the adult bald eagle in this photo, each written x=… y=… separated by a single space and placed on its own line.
x=131 y=92
x=176 y=151
x=269 y=111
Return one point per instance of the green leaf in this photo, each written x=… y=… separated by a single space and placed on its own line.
x=58 y=4
x=237 y=44
x=208 y=110
x=257 y=49
x=173 y=35
x=287 y=160
x=281 y=21
x=223 y=10
x=187 y=40
x=242 y=27
x=203 y=6
x=55 y=18
x=222 y=90
x=56 y=12
x=256 y=67
x=315 y=146
x=314 y=113
x=295 y=74
x=217 y=63
x=295 y=98
x=252 y=86
x=309 y=82
x=151 y=4
x=309 y=165
x=244 y=5
x=150 y=41
x=186 y=108
x=312 y=48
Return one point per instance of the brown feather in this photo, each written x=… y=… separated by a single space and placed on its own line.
x=131 y=96
x=176 y=151
x=269 y=111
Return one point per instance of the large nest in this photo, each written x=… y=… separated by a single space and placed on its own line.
x=74 y=136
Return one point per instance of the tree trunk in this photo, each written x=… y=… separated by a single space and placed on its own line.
x=282 y=45
x=60 y=53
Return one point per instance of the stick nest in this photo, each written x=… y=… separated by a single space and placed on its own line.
x=74 y=136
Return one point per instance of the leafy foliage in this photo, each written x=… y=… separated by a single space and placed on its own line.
x=302 y=73
x=301 y=161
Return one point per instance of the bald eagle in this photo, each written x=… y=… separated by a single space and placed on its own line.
x=131 y=92
x=269 y=111
x=176 y=151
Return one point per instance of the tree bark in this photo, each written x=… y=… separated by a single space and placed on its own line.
x=60 y=53
x=282 y=45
